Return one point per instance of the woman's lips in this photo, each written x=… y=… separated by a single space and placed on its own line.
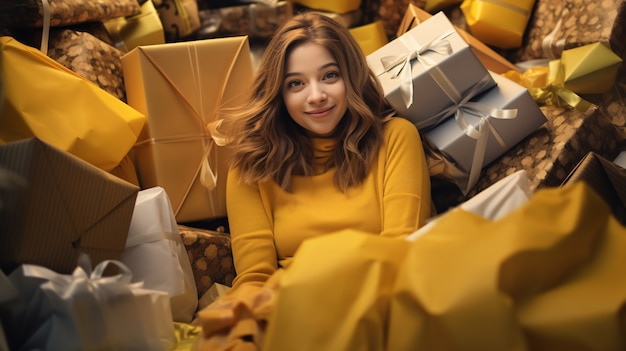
x=320 y=112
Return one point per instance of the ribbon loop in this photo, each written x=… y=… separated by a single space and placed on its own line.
x=555 y=93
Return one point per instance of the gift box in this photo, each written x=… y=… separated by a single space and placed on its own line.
x=338 y=6
x=370 y=37
x=90 y=57
x=548 y=155
x=85 y=310
x=142 y=29
x=181 y=88
x=492 y=60
x=433 y=6
x=590 y=69
x=180 y=18
x=65 y=207
x=257 y=20
x=31 y=13
x=498 y=23
x=559 y=25
x=213 y=256
x=483 y=130
x=154 y=241
x=348 y=19
x=46 y=100
x=428 y=71
x=606 y=178
x=390 y=12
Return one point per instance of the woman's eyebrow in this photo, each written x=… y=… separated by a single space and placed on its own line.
x=323 y=67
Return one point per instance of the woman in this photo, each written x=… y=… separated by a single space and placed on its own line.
x=316 y=151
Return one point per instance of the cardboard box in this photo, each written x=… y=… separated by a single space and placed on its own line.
x=493 y=61
x=64 y=206
x=606 y=178
x=462 y=145
x=181 y=87
x=440 y=79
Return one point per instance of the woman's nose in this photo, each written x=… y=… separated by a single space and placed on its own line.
x=316 y=94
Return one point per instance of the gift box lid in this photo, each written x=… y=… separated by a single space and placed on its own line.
x=61 y=206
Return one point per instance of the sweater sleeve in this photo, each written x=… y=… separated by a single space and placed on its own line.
x=252 y=240
x=406 y=184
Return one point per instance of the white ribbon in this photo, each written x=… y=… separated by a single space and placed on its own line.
x=552 y=47
x=45 y=35
x=400 y=66
x=480 y=133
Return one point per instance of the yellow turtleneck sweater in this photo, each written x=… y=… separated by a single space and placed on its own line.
x=267 y=224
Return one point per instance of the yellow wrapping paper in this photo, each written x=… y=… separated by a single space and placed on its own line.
x=500 y=23
x=547 y=276
x=181 y=88
x=491 y=59
x=370 y=37
x=337 y=6
x=44 y=99
x=142 y=29
x=436 y=5
x=590 y=69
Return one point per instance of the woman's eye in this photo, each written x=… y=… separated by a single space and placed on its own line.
x=331 y=75
x=294 y=84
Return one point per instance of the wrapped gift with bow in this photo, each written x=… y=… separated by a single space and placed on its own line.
x=500 y=23
x=492 y=60
x=85 y=310
x=429 y=71
x=482 y=129
x=181 y=88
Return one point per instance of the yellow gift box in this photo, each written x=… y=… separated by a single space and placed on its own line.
x=590 y=69
x=181 y=87
x=46 y=100
x=337 y=6
x=142 y=29
x=500 y=23
x=491 y=59
x=433 y=6
x=370 y=37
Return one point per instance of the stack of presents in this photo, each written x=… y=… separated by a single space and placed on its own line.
x=112 y=162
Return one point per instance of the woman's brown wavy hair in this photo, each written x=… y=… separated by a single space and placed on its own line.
x=268 y=144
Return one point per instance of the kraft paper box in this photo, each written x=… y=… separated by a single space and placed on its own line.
x=257 y=20
x=492 y=60
x=65 y=207
x=445 y=73
x=558 y=25
x=30 y=13
x=548 y=155
x=180 y=18
x=605 y=177
x=142 y=29
x=493 y=135
x=498 y=23
x=181 y=88
x=370 y=37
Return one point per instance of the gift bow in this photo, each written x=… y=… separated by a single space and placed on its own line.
x=481 y=133
x=555 y=93
x=400 y=66
x=552 y=47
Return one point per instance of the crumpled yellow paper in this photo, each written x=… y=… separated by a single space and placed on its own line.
x=548 y=276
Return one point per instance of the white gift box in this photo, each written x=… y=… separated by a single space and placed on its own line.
x=428 y=71
x=156 y=255
x=86 y=311
x=483 y=129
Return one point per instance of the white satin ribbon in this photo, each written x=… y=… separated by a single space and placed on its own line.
x=552 y=47
x=480 y=133
x=399 y=66
x=45 y=34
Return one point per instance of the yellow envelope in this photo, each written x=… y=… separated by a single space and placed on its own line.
x=46 y=100
x=181 y=87
x=491 y=59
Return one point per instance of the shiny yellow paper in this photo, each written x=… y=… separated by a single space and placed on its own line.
x=435 y=5
x=547 y=276
x=44 y=99
x=590 y=69
x=500 y=23
x=370 y=37
x=337 y=6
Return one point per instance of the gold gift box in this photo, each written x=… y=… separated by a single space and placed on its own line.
x=370 y=37
x=181 y=88
x=142 y=29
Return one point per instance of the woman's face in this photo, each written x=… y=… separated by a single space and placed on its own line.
x=313 y=89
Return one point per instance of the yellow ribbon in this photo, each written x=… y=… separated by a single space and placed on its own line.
x=400 y=66
x=555 y=93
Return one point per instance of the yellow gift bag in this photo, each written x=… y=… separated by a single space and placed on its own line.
x=43 y=99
